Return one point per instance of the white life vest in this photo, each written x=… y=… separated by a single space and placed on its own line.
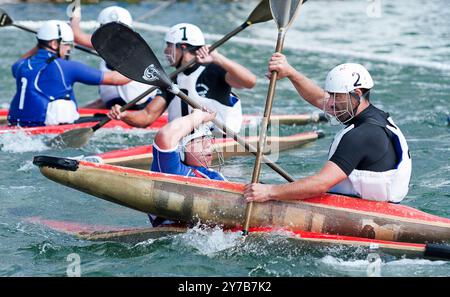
x=127 y=92
x=61 y=111
x=391 y=185
x=231 y=116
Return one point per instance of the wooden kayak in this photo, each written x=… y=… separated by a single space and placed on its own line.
x=189 y=199
x=135 y=235
x=98 y=114
x=141 y=157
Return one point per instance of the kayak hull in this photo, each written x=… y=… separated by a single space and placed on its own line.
x=135 y=235
x=218 y=202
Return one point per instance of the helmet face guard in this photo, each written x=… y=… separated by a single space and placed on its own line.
x=339 y=108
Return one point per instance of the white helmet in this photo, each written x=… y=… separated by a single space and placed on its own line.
x=202 y=131
x=347 y=77
x=53 y=29
x=185 y=33
x=115 y=14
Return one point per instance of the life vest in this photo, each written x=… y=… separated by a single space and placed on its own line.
x=126 y=92
x=31 y=106
x=391 y=185
x=231 y=116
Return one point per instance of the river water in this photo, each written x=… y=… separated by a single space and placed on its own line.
x=404 y=44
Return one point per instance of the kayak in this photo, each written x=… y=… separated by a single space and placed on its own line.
x=189 y=199
x=96 y=115
x=294 y=119
x=142 y=156
x=135 y=235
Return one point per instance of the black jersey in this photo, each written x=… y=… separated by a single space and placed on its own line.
x=368 y=146
x=210 y=84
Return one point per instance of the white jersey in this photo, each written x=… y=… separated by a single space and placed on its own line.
x=127 y=92
x=391 y=185
x=231 y=116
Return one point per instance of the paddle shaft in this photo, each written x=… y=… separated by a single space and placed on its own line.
x=175 y=73
x=264 y=126
x=230 y=133
x=81 y=48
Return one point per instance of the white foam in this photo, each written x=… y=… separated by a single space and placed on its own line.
x=19 y=142
x=210 y=240
x=385 y=58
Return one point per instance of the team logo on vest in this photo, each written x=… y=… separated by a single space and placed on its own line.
x=202 y=89
x=151 y=73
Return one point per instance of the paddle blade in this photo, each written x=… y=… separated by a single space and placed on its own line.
x=5 y=20
x=74 y=138
x=285 y=11
x=128 y=53
x=261 y=13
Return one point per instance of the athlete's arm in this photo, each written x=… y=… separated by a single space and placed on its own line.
x=142 y=118
x=237 y=76
x=81 y=38
x=329 y=176
x=170 y=135
x=305 y=87
x=114 y=78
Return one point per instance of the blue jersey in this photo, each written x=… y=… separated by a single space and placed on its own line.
x=168 y=161
x=43 y=78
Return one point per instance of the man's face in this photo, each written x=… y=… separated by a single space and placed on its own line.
x=199 y=152
x=172 y=53
x=340 y=106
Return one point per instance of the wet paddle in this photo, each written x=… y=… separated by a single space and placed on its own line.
x=78 y=137
x=129 y=54
x=284 y=13
x=5 y=21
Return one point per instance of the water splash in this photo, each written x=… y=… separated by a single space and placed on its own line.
x=20 y=142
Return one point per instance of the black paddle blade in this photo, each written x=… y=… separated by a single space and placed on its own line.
x=128 y=53
x=284 y=12
x=261 y=13
x=5 y=20
x=73 y=138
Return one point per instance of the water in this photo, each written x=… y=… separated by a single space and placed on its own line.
x=406 y=49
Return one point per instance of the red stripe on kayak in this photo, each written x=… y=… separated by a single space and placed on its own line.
x=321 y=236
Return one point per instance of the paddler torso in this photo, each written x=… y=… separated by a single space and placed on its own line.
x=45 y=83
x=207 y=86
x=373 y=152
x=169 y=161
x=123 y=94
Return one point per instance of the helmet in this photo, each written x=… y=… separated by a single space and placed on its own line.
x=201 y=131
x=185 y=33
x=52 y=30
x=115 y=14
x=347 y=77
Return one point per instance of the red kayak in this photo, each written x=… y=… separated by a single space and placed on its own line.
x=98 y=114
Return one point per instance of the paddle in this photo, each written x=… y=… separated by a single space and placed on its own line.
x=5 y=21
x=78 y=137
x=129 y=54
x=284 y=13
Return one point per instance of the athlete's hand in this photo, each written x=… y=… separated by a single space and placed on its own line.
x=116 y=114
x=205 y=57
x=279 y=63
x=208 y=116
x=257 y=192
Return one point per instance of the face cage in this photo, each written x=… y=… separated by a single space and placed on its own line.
x=171 y=58
x=218 y=160
x=334 y=114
